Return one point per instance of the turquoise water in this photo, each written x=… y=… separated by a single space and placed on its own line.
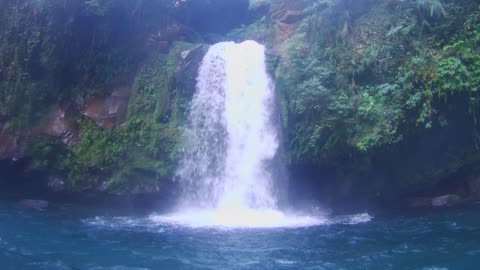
x=68 y=237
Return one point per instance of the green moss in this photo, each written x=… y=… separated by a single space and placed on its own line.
x=46 y=152
x=97 y=154
x=150 y=136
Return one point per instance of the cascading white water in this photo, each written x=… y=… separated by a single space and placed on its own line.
x=230 y=135
x=231 y=140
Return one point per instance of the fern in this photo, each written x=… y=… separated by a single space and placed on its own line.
x=433 y=7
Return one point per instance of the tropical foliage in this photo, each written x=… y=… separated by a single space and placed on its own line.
x=360 y=83
x=365 y=77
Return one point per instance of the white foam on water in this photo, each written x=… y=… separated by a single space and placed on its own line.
x=285 y=262
x=224 y=218
x=252 y=218
x=238 y=218
x=353 y=219
x=124 y=223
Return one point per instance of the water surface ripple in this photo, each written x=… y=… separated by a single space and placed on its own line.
x=68 y=239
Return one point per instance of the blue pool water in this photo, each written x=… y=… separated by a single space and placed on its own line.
x=68 y=238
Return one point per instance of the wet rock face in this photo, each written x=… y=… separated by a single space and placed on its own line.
x=286 y=16
x=186 y=70
x=287 y=11
x=474 y=186
x=109 y=111
x=59 y=124
x=10 y=144
x=204 y=16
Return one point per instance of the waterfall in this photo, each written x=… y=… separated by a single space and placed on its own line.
x=231 y=143
x=230 y=137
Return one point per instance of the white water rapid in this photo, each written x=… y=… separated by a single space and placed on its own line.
x=227 y=164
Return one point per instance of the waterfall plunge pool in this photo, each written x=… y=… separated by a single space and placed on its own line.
x=68 y=237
